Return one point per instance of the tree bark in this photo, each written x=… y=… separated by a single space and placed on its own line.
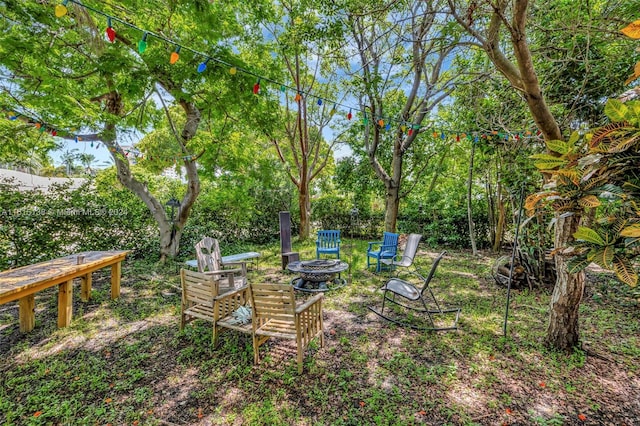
x=563 y=331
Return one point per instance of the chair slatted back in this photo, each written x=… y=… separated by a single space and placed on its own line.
x=390 y=243
x=273 y=302
x=328 y=239
x=432 y=272
x=208 y=254
x=198 y=288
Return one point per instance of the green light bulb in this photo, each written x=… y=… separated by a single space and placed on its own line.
x=142 y=44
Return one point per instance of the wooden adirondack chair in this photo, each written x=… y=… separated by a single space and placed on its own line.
x=201 y=299
x=210 y=262
x=275 y=314
x=328 y=242
x=385 y=249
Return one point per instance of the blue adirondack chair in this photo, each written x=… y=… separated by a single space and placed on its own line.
x=328 y=242
x=385 y=249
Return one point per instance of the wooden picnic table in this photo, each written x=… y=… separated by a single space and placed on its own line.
x=22 y=283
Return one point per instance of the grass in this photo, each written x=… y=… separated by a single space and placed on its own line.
x=125 y=362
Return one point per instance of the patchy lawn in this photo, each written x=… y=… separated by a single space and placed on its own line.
x=126 y=362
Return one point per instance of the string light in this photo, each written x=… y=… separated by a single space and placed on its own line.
x=111 y=33
x=175 y=55
x=61 y=9
x=383 y=122
x=203 y=66
x=142 y=44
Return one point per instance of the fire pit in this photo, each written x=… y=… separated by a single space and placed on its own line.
x=318 y=275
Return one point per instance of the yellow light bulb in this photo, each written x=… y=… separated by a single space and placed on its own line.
x=60 y=10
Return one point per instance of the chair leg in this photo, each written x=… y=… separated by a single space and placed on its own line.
x=216 y=334
x=256 y=349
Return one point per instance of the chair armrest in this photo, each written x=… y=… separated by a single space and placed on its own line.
x=229 y=274
x=223 y=272
x=309 y=303
x=244 y=290
x=242 y=266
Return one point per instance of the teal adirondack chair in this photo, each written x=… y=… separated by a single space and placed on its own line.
x=385 y=249
x=328 y=242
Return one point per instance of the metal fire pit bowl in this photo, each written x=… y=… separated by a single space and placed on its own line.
x=318 y=275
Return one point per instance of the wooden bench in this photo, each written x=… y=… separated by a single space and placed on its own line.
x=232 y=258
x=22 y=283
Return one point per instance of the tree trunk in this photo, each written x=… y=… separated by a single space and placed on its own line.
x=170 y=233
x=472 y=232
x=563 y=331
x=392 y=204
x=304 y=203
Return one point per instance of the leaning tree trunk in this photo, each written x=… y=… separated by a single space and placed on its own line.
x=563 y=331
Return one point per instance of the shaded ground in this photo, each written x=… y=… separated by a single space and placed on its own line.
x=126 y=362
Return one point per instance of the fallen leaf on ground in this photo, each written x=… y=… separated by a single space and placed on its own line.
x=582 y=417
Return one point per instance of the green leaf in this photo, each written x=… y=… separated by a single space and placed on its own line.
x=589 y=235
x=547 y=161
x=561 y=147
x=624 y=270
x=577 y=264
x=616 y=110
x=602 y=256
x=575 y=136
